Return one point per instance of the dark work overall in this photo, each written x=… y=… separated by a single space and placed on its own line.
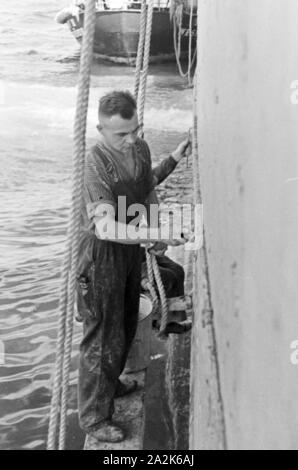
x=109 y=309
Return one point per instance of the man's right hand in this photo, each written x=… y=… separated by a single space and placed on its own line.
x=159 y=248
x=175 y=241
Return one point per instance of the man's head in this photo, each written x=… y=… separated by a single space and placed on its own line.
x=118 y=120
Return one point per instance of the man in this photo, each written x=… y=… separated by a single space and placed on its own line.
x=117 y=167
x=172 y=274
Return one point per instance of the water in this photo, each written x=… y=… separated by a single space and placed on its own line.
x=38 y=75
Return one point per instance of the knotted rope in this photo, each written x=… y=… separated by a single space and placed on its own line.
x=68 y=275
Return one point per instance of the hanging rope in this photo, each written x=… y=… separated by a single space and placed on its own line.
x=142 y=67
x=162 y=296
x=140 y=54
x=150 y=274
x=177 y=25
x=68 y=275
x=145 y=67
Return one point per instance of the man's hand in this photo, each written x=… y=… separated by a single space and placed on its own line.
x=91 y=208
x=159 y=248
x=175 y=241
x=183 y=149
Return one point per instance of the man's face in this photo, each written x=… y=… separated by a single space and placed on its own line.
x=119 y=133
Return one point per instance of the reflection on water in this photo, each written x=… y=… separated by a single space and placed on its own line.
x=39 y=71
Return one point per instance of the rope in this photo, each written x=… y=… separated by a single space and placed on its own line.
x=177 y=42
x=162 y=296
x=67 y=292
x=142 y=67
x=141 y=43
x=154 y=275
x=150 y=274
x=190 y=61
x=145 y=68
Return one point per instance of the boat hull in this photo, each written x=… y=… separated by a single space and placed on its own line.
x=117 y=34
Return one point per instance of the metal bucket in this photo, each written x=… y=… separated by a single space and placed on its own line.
x=139 y=355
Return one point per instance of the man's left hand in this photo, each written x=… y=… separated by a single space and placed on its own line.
x=182 y=149
x=91 y=208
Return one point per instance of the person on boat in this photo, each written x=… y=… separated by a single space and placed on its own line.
x=172 y=273
x=117 y=167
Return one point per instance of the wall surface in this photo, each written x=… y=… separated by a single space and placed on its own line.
x=248 y=146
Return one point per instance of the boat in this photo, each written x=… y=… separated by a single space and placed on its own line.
x=117 y=30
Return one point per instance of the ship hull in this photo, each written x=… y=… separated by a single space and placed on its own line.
x=117 y=35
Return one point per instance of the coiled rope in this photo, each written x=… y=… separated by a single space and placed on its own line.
x=141 y=74
x=68 y=275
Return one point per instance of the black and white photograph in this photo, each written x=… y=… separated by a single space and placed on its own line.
x=149 y=228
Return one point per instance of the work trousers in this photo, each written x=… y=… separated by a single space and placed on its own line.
x=109 y=307
x=172 y=275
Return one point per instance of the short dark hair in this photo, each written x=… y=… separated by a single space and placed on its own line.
x=118 y=102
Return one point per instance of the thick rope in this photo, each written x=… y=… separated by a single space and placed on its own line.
x=140 y=54
x=190 y=62
x=66 y=305
x=145 y=68
x=155 y=277
x=55 y=402
x=140 y=78
x=150 y=274
x=140 y=94
x=162 y=296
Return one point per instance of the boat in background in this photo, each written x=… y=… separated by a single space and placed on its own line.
x=117 y=30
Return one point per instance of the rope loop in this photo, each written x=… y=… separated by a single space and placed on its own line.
x=177 y=33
